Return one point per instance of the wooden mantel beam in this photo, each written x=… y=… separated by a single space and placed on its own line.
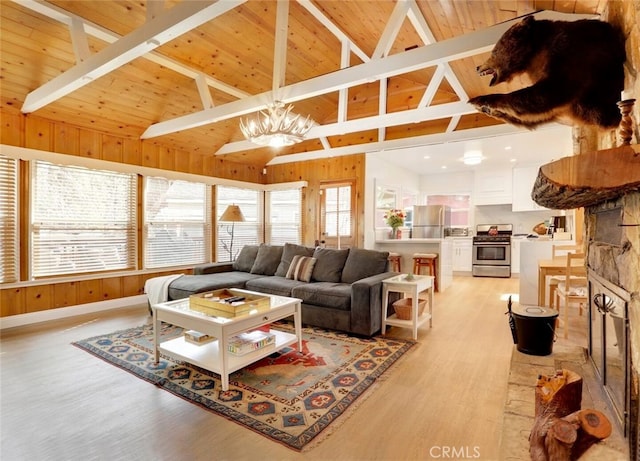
x=587 y=179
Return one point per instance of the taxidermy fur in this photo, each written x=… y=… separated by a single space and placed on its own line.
x=577 y=70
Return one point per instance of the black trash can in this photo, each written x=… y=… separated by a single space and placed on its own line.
x=535 y=329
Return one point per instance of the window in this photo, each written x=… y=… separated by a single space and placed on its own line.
x=284 y=209
x=337 y=223
x=83 y=220
x=177 y=223
x=8 y=220
x=233 y=236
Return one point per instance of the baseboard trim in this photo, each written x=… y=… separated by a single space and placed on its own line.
x=20 y=320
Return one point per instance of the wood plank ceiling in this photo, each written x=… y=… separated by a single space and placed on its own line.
x=357 y=67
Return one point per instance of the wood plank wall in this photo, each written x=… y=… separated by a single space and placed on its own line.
x=43 y=134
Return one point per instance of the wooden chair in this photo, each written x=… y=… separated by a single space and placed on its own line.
x=394 y=262
x=559 y=251
x=428 y=260
x=574 y=288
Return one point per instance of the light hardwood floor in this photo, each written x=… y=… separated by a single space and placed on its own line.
x=447 y=393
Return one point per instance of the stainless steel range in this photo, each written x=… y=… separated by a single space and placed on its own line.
x=492 y=250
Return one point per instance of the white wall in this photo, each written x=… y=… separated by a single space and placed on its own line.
x=377 y=169
x=523 y=221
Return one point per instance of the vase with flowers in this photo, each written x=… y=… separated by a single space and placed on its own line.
x=395 y=219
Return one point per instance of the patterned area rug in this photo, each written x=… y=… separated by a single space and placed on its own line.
x=290 y=397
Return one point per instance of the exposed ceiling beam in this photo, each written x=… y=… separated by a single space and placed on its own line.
x=165 y=27
x=280 y=46
x=376 y=122
x=60 y=15
x=416 y=141
x=331 y=27
x=408 y=61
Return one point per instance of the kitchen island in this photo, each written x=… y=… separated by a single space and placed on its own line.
x=407 y=247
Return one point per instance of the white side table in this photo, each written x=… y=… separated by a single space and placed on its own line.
x=413 y=287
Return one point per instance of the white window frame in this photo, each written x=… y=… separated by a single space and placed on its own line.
x=283 y=216
x=178 y=232
x=76 y=244
x=9 y=202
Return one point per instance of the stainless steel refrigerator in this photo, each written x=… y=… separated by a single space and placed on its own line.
x=430 y=221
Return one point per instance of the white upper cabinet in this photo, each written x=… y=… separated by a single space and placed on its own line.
x=493 y=187
x=523 y=180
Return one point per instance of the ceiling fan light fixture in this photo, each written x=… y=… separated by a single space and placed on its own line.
x=277 y=126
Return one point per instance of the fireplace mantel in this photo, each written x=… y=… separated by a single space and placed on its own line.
x=587 y=179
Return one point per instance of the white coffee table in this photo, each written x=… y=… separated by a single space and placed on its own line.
x=412 y=287
x=214 y=356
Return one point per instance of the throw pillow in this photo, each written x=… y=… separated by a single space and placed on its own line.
x=245 y=259
x=290 y=250
x=329 y=264
x=364 y=263
x=267 y=260
x=301 y=268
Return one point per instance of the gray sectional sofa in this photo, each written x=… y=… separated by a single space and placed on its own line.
x=339 y=289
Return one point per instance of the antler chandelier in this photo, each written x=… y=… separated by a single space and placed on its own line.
x=276 y=127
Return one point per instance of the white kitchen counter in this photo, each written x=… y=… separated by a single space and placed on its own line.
x=407 y=247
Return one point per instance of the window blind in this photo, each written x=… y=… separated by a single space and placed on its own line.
x=284 y=211
x=8 y=219
x=177 y=229
x=244 y=233
x=83 y=220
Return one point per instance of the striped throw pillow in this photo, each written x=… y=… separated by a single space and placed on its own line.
x=301 y=268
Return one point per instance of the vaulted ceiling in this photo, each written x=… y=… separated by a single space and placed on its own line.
x=372 y=74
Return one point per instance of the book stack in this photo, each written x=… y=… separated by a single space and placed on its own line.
x=196 y=337
x=251 y=341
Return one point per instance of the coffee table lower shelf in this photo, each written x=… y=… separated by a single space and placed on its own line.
x=207 y=355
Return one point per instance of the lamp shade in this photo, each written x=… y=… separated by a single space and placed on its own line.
x=233 y=213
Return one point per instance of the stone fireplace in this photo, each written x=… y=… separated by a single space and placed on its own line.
x=612 y=232
x=606 y=183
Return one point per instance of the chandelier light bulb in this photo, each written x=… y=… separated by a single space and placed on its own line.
x=276 y=126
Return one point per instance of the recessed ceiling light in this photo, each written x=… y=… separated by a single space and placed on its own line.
x=472 y=157
x=444 y=167
x=513 y=160
x=507 y=148
x=426 y=157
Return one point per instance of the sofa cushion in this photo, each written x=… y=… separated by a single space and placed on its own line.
x=275 y=285
x=301 y=268
x=188 y=285
x=246 y=258
x=325 y=294
x=267 y=259
x=363 y=263
x=288 y=252
x=329 y=264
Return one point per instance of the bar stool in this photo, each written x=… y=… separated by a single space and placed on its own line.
x=429 y=260
x=394 y=261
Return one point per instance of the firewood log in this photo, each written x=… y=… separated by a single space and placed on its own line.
x=561 y=430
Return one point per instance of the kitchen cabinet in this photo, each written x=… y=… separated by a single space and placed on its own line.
x=523 y=180
x=493 y=187
x=462 y=254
